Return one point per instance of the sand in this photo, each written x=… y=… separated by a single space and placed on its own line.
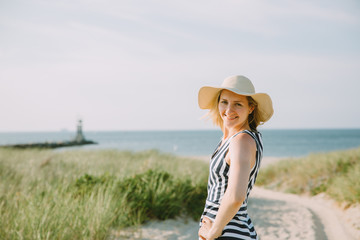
x=275 y=215
x=288 y=216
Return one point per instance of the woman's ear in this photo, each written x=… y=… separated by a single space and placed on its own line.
x=251 y=109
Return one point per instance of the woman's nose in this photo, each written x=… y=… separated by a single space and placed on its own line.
x=229 y=109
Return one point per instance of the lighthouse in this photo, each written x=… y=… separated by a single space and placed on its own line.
x=79 y=138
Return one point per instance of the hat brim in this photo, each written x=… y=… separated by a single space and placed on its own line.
x=208 y=94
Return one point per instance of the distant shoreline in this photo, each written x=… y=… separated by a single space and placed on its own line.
x=278 y=143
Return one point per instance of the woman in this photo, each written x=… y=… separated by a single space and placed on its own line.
x=237 y=110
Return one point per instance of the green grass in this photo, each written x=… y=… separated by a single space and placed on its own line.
x=336 y=173
x=46 y=194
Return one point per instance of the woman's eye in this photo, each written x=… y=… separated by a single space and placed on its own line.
x=224 y=102
x=238 y=104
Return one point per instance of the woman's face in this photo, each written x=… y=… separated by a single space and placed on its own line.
x=234 y=110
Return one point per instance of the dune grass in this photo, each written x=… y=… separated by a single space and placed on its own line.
x=336 y=173
x=46 y=194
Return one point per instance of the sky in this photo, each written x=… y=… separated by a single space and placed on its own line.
x=138 y=65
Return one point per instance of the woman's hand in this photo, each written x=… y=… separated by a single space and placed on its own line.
x=204 y=231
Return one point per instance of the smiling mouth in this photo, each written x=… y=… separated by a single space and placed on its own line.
x=230 y=118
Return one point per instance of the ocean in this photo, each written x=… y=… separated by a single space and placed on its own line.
x=278 y=143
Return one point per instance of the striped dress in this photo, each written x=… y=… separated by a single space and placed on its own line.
x=240 y=227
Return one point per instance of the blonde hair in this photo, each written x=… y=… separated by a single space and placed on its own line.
x=214 y=111
x=253 y=118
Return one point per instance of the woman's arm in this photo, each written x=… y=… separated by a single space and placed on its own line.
x=242 y=152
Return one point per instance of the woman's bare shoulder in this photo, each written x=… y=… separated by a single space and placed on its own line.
x=243 y=139
x=242 y=147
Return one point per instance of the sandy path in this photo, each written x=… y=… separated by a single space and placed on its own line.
x=276 y=216
x=300 y=217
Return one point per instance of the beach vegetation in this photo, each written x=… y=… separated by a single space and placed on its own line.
x=336 y=174
x=46 y=194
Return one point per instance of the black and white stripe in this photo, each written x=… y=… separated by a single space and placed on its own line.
x=240 y=227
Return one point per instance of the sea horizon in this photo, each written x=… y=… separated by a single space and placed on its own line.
x=277 y=142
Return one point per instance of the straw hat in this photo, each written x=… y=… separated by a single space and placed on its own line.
x=242 y=86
